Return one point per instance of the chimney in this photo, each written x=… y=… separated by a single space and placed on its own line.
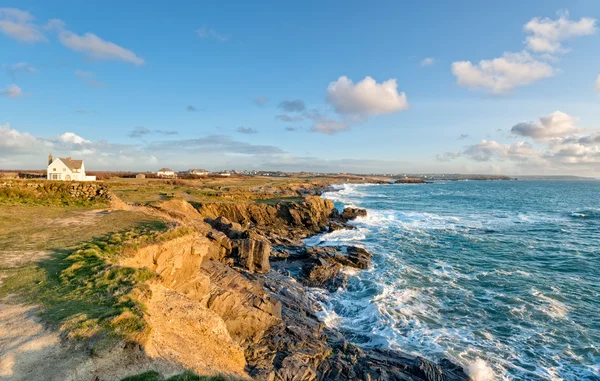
x=49 y=159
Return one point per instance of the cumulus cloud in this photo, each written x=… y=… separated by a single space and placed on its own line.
x=546 y=34
x=19 y=25
x=20 y=67
x=556 y=124
x=208 y=32
x=12 y=91
x=246 y=130
x=11 y=139
x=366 y=97
x=447 y=156
x=260 y=101
x=95 y=47
x=88 y=78
x=598 y=83
x=72 y=138
x=501 y=74
x=488 y=150
x=427 y=61
x=191 y=108
x=292 y=106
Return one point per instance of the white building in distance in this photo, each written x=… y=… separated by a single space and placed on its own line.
x=198 y=172
x=67 y=169
x=166 y=173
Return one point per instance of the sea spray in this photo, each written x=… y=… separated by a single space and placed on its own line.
x=500 y=277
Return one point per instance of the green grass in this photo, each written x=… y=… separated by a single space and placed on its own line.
x=55 y=227
x=186 y=376
x=49 y=193
x=85 y=292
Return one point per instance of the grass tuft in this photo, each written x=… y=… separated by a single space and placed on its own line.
x=85 y=292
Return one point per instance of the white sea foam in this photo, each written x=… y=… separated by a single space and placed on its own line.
x=479 y=370
x=551 y=307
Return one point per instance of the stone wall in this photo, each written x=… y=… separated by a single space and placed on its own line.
x=45 y=191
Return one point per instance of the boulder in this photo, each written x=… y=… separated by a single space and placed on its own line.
x=323 y=272
x=352 y=213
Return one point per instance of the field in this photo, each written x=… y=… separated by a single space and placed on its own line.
x=216 y=189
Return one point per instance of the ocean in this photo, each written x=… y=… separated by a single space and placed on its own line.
x=502 y=277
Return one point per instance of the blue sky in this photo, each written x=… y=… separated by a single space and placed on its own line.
x=120 y=97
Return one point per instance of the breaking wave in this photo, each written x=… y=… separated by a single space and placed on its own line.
x=500 y=277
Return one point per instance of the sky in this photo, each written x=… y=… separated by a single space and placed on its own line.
x=507 y=87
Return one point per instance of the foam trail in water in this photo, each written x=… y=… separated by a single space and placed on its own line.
x=479 y=370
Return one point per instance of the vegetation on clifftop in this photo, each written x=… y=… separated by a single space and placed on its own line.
x=85 y=292
x=59 y=193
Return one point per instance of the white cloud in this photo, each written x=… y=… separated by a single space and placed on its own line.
x=329 y=126
x=554 y=125
x=367 y=97
x=56 y=25
x=20 y=67
x=19 y=25
x=501 y=74
x=72 y=138
x=12 y=91
x=14 y=140
x=208 y=32
x=547 y=34
x=491 y=149
x=598 y=83
x=447 y=156
x=428 y=61
x=95 y=47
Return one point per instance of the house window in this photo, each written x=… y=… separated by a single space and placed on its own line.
x=64 y=169
x=54 y=169
x=55 y=176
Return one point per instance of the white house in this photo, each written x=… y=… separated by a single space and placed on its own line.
x=198 y=172
x=67 y=169
x=166 y=172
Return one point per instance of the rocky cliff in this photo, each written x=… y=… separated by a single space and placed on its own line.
x=237 y=281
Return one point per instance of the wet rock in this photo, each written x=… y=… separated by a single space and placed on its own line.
x=356 y=257
x=323 y=272
x=352 y=213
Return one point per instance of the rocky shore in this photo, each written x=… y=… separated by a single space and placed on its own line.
x=246 y=263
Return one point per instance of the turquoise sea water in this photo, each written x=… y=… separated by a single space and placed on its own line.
x=501 y=277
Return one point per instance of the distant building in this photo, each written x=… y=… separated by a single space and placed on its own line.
x=140 y=176
x=166 y=173
x=198 y=172
x=67 y=169
x=225 y=173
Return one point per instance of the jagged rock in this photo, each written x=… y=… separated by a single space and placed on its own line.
x=356 y=256
x=233 y=230
x=352 y=213
x=334 y=225
x=323 y=272
x=252 y=254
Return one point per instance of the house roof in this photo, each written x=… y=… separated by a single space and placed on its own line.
x=198 y=170
x=165 y=170
x=72 y=164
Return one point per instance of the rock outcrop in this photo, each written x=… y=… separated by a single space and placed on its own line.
x=259 y=293
x=352 y=213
